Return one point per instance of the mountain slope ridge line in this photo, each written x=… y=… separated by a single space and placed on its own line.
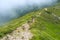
x=21 y=33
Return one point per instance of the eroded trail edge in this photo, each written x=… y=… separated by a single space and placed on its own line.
x=21 y=33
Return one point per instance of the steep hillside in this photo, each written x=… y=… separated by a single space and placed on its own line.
x=12 y=25
x=46 y=24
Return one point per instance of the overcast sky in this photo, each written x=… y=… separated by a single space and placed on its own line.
x=7 y=7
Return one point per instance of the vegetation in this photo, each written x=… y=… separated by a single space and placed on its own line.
x=12 y=25
x=46 y=26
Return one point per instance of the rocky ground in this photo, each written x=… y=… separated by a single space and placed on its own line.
x=21 y=33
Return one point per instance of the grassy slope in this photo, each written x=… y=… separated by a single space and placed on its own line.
x=12 y=25
x=47 y=26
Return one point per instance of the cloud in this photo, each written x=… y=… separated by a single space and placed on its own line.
x=10 y=9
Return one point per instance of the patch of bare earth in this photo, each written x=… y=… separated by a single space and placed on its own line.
x=21 y=33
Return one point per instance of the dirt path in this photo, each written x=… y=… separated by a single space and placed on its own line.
x=21 y=33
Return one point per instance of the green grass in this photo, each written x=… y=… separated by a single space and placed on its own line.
x=12 y=25
x=47 y=27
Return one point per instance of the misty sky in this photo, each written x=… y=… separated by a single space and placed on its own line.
x=8 y=7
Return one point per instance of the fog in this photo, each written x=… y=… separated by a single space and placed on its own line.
x=11 y=9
